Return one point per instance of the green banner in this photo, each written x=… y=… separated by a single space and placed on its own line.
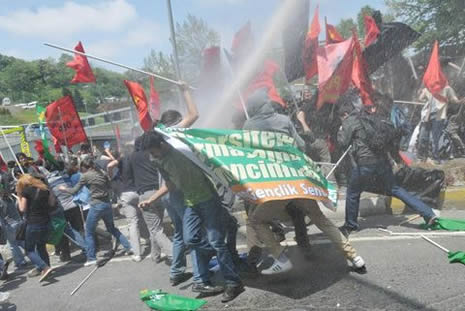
x=258 y=166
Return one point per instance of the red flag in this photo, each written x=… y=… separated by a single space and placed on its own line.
x=64 y=123
x=311 y=46
x=243 y=41
x=371 y=30
x=335 y=63
x=3 y=165
x=210 y=76
x=360 y=78
x=57 y=145
x=80 y=64
x=140 y=100
x=434 y=79
x=154 y=102
x=39 y=147
x=265 y=80
x=332 y=35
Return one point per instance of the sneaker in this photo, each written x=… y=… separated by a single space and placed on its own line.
x=128 y=252
x=181 y=278
x=279 y=266
x=65 y=257
x=159 y=258
x=90 y=263
x=45 y=274
x=4 y=297
x=254 y=255
x=231 y=292
x=136 y=258
x=433 y=221
x=207 y=289
x=33 y=273
x=359 y=265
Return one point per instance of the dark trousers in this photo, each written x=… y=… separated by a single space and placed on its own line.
x=74 y=218
x=435 y=129
x=364 y=177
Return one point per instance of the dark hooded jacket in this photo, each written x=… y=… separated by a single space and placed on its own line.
x=262 y=117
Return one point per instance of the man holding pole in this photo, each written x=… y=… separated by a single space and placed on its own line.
x=371 y=166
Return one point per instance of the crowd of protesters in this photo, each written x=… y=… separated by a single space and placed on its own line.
x=154 y=177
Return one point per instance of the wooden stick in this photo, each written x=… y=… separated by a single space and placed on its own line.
x=455 y=233
x=83 y=281
x=435 y=244
x=410 y=219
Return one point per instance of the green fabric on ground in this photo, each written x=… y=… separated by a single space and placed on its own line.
x=446 y=224
x=455 y=257
x=161 y=301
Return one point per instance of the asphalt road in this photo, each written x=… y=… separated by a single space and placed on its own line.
x=404 y=273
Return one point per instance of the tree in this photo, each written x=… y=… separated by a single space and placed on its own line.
x=345 y=27
x=366 y=10
x=192 y=37
x=435 y=19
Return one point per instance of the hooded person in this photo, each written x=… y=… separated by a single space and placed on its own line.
x=263 y=117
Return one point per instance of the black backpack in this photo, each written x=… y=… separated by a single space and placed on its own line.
x=380 y=134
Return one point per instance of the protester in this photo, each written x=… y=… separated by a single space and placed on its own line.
x=129 y=200
x=10 y=221
x=35 y=203
x=371 y=168
x=70 y=211
x=99 y=185
x=174 y=200
x=264 y=118
x=434 y=120
x=203 y=212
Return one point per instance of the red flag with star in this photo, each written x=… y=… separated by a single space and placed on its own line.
x=335 y=63
x=80 y=64
x=140 y=100
x=332 y=35
x=311 y=46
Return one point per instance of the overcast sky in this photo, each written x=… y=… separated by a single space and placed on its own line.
x=126 y=30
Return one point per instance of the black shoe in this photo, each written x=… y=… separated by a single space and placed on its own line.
x=207 y=289
x=4 y=273
x=65 y=257
x=231 y=292
x=180 y=279
x=254 y=255
x=346 y=231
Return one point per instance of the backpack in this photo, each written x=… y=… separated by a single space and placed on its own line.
x=380 y=134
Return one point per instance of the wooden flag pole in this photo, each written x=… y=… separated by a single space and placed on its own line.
x=435 y=244
x=115 y=64
x=64 y=135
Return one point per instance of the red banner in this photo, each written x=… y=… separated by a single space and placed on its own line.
x=360 y=78
x=335 y=63
x=434 y=79
x=311 y=46
x=265 y=80
x=154 y=102
x=332 y=35
x=371 y=30
x=64 y=123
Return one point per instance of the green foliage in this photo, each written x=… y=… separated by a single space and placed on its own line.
x=435 y=19
x=345 y=27
x=47 y=80
x=366 y=10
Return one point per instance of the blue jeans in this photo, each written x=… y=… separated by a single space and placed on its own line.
x=96 y=212
x=431 y=131
x=363 y=177
x=36 y=238
x=204 y=230
x=9 y=230
x=174 y=203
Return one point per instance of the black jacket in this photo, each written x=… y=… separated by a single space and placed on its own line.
x=352 y=133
